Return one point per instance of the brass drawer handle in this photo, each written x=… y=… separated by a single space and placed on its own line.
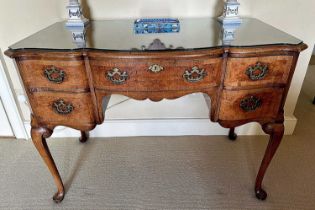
x=195 y=74
x=62 y=108
x=257 y=72
x=55 y=75
x=250 y=103
x=117 y=77
x=155 y=68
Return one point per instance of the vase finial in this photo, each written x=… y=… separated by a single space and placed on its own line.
x=231 y=13
x=75 y=16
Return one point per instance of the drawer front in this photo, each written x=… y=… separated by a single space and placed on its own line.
x=62 y=108
x=250 y=104
x=54 y=75
x=155 y=74
x=258 y=71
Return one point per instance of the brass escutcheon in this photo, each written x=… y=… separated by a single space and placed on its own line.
x=155 y=68
x=195 y=74
x=116 y=76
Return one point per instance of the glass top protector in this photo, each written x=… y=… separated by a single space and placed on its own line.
x=120 y=35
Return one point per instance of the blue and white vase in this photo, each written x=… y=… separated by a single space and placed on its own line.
x=78 y=36
x=231 y=13
x=75 y=16
x=229 y=33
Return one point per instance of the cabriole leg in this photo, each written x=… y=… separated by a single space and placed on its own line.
x=276 y=132
x=84 y=136
x=39 y=135
x=232 y=134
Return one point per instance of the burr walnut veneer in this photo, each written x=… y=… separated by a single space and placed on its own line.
x=69 y=82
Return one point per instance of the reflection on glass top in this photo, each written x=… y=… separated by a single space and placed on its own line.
x=195 y=33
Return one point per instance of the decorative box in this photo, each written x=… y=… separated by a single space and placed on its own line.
x=156 y=25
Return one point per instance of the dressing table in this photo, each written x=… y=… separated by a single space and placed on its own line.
x=69 y=76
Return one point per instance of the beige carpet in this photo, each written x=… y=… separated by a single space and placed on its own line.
x=312 y=61
x=165 y=173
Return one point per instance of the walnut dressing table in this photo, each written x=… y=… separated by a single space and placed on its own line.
x=69 y=76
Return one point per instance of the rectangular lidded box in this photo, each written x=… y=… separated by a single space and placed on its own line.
x=156 y=25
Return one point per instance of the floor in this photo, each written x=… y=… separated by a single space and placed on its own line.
x=166 y=173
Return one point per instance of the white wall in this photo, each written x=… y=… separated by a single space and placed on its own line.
x=100 y=9
x=298 y=19
x=11 y=108
x=19 y=19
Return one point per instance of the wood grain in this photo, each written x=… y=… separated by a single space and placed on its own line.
x=39 y=135
x=42 y=107
x=75 y=79
x=170 y=78
x=230 y=104
x=278 y=71
x=87 y=88
x=276 y=132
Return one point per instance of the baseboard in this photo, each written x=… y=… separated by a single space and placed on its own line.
x=166 y=127
x=10 y=102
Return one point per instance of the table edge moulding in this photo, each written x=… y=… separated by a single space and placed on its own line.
x=71 y=87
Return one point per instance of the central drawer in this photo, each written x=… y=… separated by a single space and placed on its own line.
x=139 y=74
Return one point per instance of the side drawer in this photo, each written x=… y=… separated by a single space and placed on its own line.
x=62 y=108
x=250 y=104
x=258 y=71
x=54 y=75
x=156 y=74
